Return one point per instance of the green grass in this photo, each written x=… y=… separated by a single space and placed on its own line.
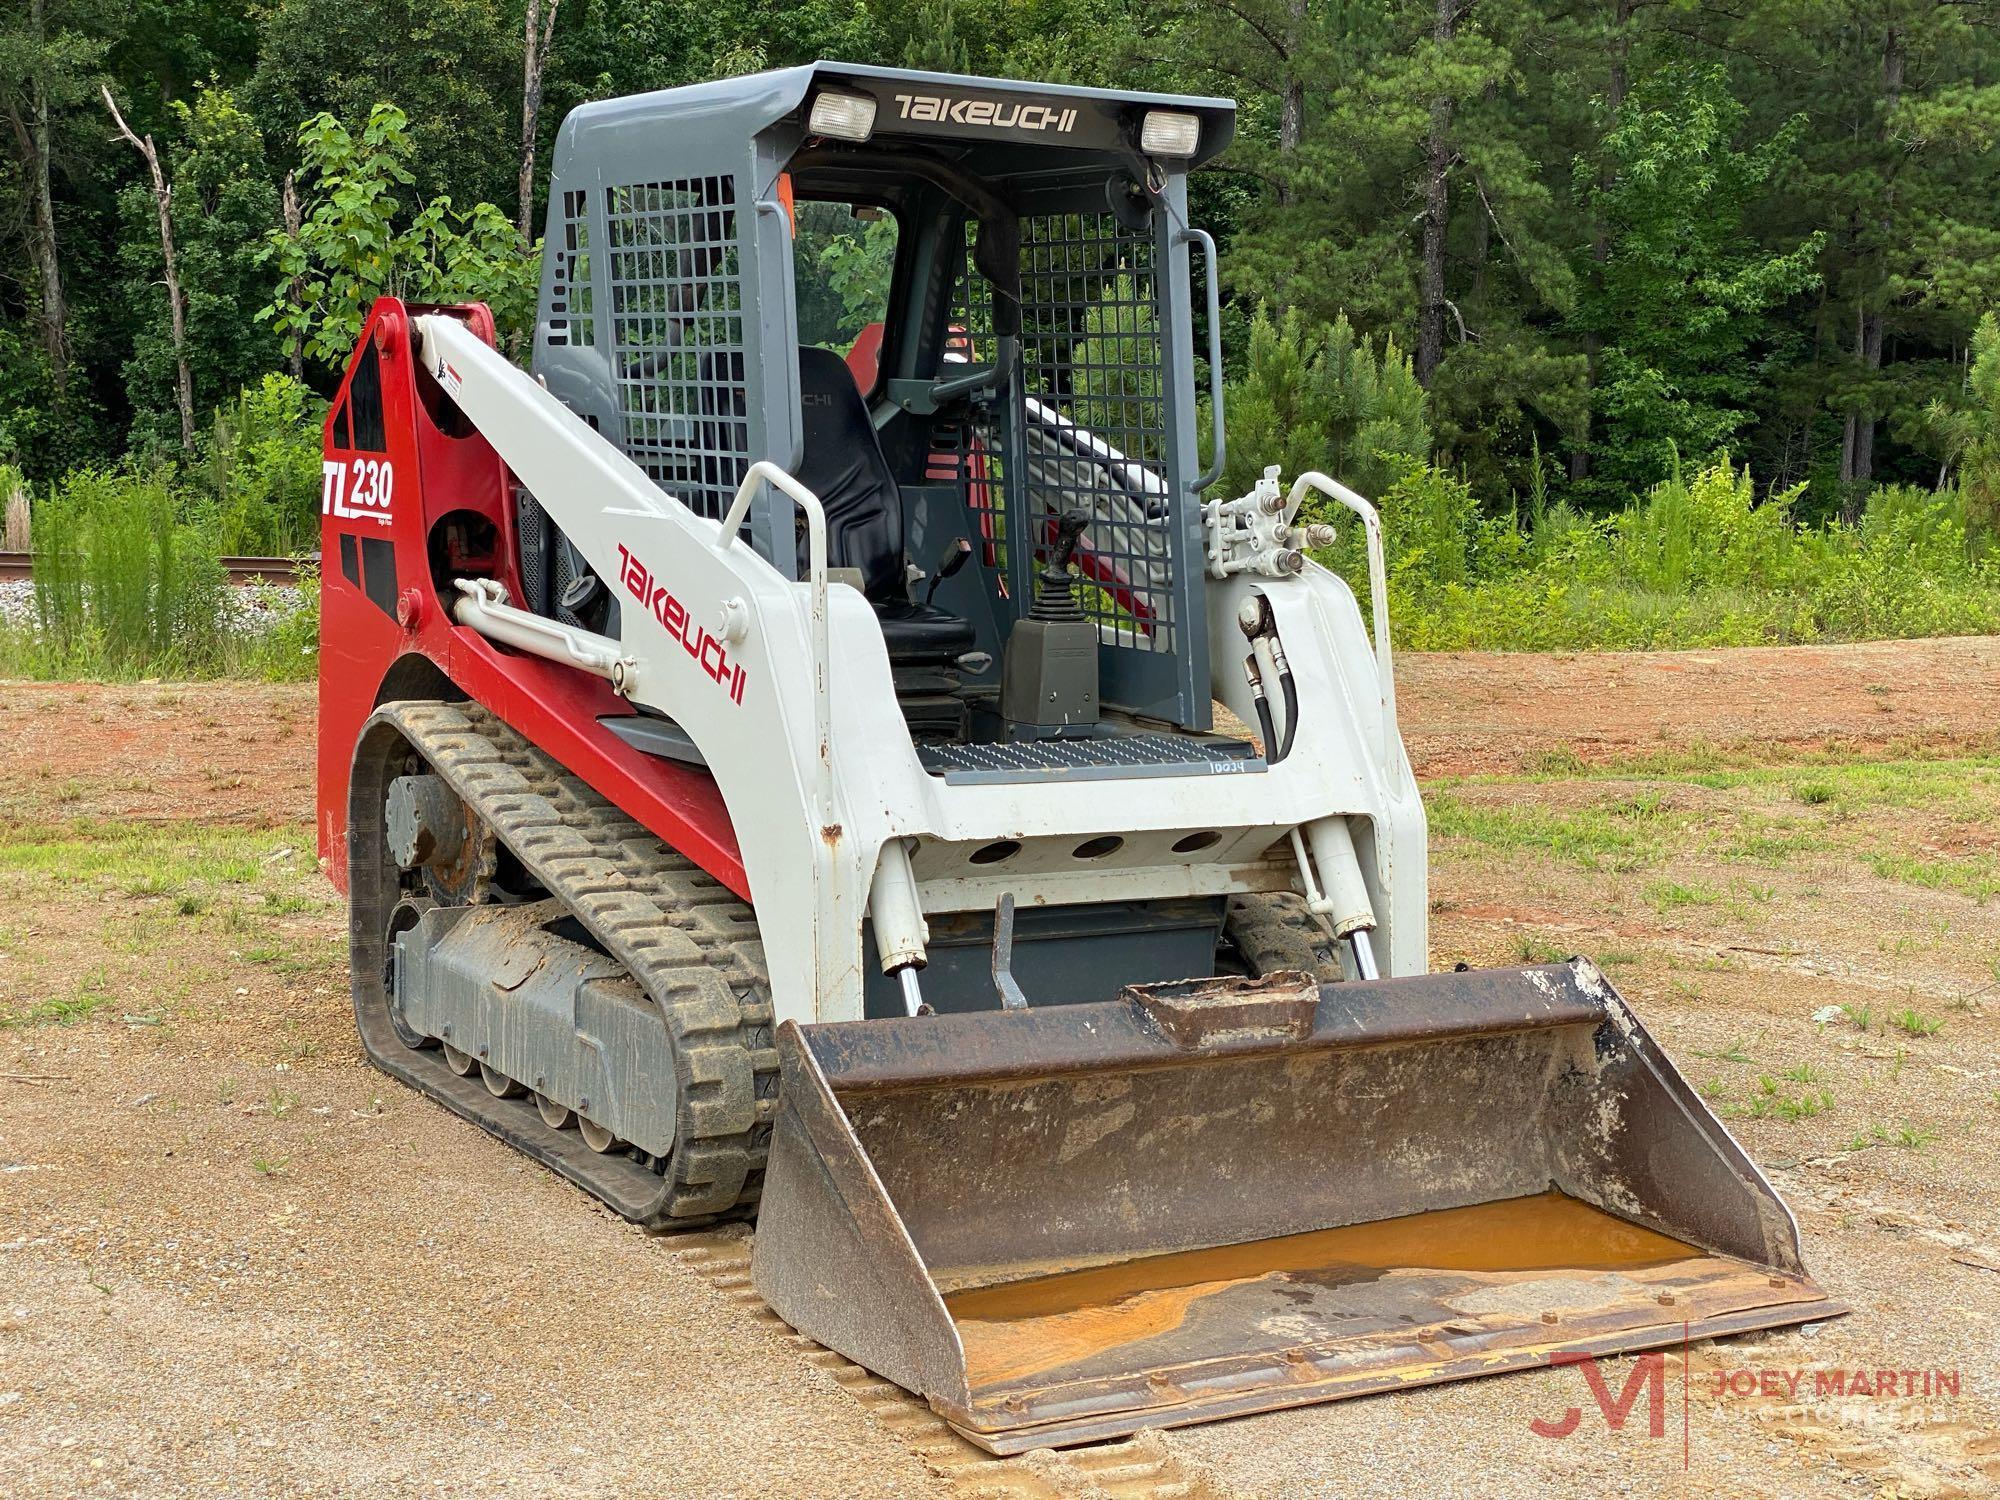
x=148 y=860
x=1912 y=1022
x=66 y=1011
x=1840 y=780
x=1977 y=877
x=1773 y=845
x=1534 y=951
x=1620 y=838
x=1906 y=1136
x=1773 y=1100
x=1670 y=895
x=1803 y=1107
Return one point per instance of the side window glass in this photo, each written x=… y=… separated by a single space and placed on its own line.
x=843 y=255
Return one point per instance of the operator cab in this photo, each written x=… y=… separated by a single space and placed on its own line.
x=960 y=312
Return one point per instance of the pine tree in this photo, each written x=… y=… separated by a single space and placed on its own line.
x=1680 y=302
x=1970 y=432
x=1897 y=164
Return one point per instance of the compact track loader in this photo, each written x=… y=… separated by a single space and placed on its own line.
x=771 y=757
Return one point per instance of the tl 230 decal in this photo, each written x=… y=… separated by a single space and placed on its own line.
x=357 y=489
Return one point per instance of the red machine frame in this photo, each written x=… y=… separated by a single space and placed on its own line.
x=409 y=503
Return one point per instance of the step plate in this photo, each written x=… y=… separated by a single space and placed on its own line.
x=1121 y=756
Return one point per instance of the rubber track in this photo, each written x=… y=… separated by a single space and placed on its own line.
x=1275 y=931
x=1135 y=1468
x=690 y=942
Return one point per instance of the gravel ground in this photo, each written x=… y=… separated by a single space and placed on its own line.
x=249 y=610
x=234 y=1260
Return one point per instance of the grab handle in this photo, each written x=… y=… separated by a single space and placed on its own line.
x=1206 y=240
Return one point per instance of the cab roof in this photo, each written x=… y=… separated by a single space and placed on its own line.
x=928 y=106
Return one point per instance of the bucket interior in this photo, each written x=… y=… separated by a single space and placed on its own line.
x=1543 y=1253
x=1118 y=1231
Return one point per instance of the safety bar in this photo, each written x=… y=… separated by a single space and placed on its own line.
x=807 y=501
x=1206 y=240
x=1378 y=587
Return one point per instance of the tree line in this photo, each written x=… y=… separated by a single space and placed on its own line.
x=1603 y=237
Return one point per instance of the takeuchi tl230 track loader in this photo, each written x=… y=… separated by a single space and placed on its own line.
x=771 y=763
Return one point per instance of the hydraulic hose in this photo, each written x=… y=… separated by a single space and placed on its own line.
x=1291 y=695
x=1266 y=730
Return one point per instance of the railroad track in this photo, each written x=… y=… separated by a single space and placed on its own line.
x=238 y=570
x=1134 y=1468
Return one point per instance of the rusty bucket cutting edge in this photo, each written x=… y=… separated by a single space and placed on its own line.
x=1201 y=1200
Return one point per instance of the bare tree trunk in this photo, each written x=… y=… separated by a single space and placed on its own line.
x=1615 y=88
x=538 y=29
x=1852 y=425
x=33 y=137
x=1481 y=251
x=163 y=200
x=1857 y=438
x=1292 y=116
x=295 y=356
x=1621 y=49
x=1436 y=213
x=1857 y=448
x=1291 y=93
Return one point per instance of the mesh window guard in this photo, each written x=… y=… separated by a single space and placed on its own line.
x=1095 y=413
x=677 y=335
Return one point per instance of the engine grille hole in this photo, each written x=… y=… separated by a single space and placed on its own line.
x=996 y=852
x=1097 y=848
x=1194 y=843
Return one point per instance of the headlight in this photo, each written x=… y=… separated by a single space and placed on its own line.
x=1166 y=132
x=845 y=117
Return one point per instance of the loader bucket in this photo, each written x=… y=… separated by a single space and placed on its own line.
x=1224 y=1196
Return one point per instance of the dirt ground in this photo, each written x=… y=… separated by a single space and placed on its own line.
x=236 y=1261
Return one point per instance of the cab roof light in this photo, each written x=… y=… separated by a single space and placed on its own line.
x=1168 y=132
x=845 y=117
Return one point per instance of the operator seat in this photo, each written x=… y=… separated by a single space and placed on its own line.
x=844 y=466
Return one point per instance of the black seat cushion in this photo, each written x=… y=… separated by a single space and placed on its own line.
x=922 y=633
x=844 y=466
